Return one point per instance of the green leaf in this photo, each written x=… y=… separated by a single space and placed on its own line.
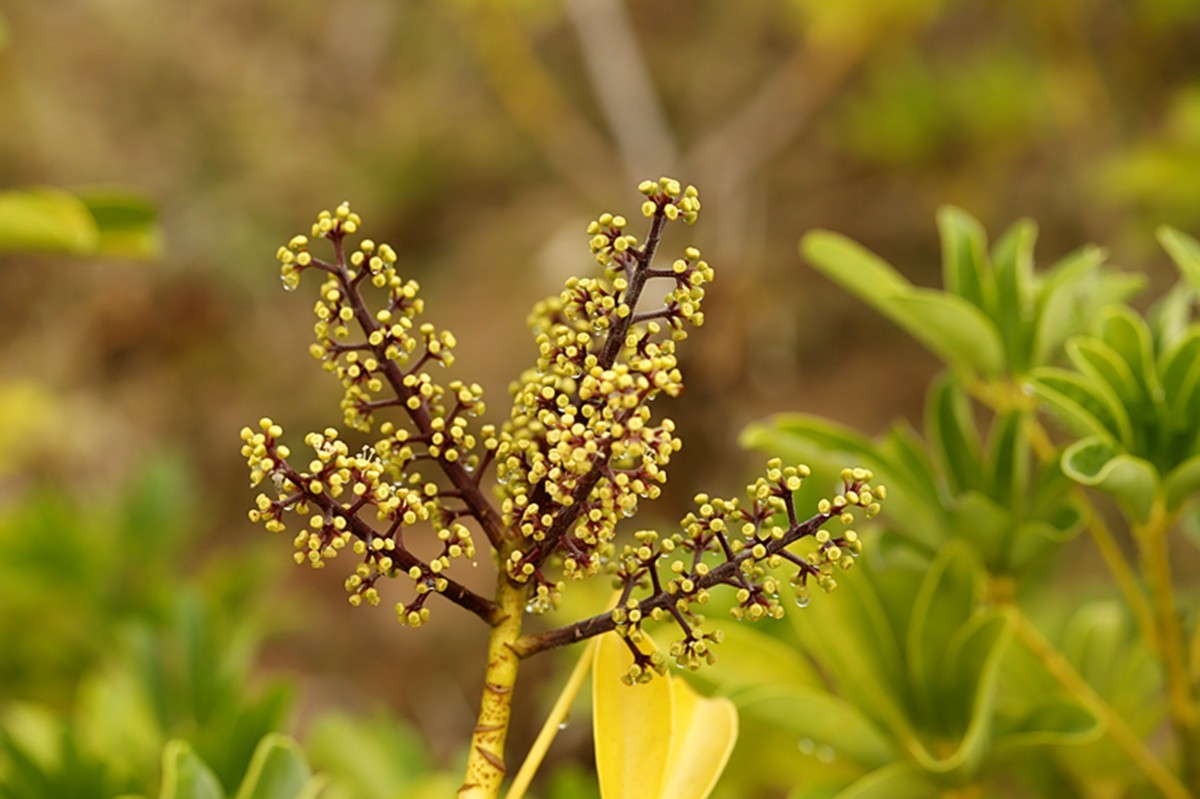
x=987 y=526
x=950 y=326
x=965 y=267
x=1055 y=722
x=277 y=770
x=1012 y=264
x=813 y=432
x=851 y=639
x=897 y=781
x=1086 y=407
x=1127 y=333
x=952 y=433
x=45 y=220
x=185 y=776
x=631 y=725
x=1184 y=251
x=374 y=757
x=953 y=329
x=971 y=667
x=1033 y=538
x=1132 y=481
x=1102 y=363
x=1008 y=459
x=855 y=268
x=823 y=719
x=947 y=598
x=751 y=659
x=126 y=222
x=1183 y=483
x=1181 y=379
x=1170 y=318
x=1059 y=293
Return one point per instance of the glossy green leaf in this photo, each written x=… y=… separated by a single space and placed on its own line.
x=1101 y=362
x=1127 y=334
x=1181 y=380
x=126 y=223
x=751 y=659
x=1008 y=459
x=813 y=432
x=1132 y=481
x=1185 y=251
x=953 y=436
x=946 y=600
x=278 y=770
x=897 y=781
x=1055 y=722
x=703 y=734
x=849 y=636
x=1059 y=294
x=822 y=719
x=948 y=325
x=965 y=267
x=631 y=725
x=953 y=329
x=908 y=459
x=853 y=267
x=185 y=776
x=1170 y=317
x=1032 y=539
x=1183 y=483
x=1012 y=264
x=971 y=667
x=1085 y=406
x=45 y=220
x=985 y=525
x=372 y=757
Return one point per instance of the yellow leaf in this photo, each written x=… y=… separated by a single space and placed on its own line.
x=631 y=725
x=659 y=740
x=704 y=733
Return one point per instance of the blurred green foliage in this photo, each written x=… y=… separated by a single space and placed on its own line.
x=858 y=116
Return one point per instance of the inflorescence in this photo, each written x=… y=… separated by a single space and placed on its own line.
x=579 y=451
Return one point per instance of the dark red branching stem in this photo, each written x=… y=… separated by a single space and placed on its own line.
x=567 y=516
x=726 y=573
x=462 y=479
x=456 y=592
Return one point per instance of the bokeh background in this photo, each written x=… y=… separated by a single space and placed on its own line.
x=479 y=138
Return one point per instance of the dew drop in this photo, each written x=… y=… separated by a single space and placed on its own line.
x=562 y=725
x=802 y=600
x=825 y=754
x=807 y=746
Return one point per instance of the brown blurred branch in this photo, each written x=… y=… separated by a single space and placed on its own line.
x=624 y=86
x=532 y=96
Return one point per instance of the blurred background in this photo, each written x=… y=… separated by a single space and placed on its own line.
x=479 y=138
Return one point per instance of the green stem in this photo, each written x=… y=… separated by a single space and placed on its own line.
x=1156 y=566
x=554 y=723
x=485 y=760
x=1078 y=688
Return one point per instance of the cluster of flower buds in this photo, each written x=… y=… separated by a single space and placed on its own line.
x=580 y=448
x=380 y=355
x=744 y=545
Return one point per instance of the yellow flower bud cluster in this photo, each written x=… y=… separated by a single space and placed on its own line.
x=683 y=302
x=609 y=242
x=330 y=498
x=668 y=197
x=741 y=545
x=579 y=421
